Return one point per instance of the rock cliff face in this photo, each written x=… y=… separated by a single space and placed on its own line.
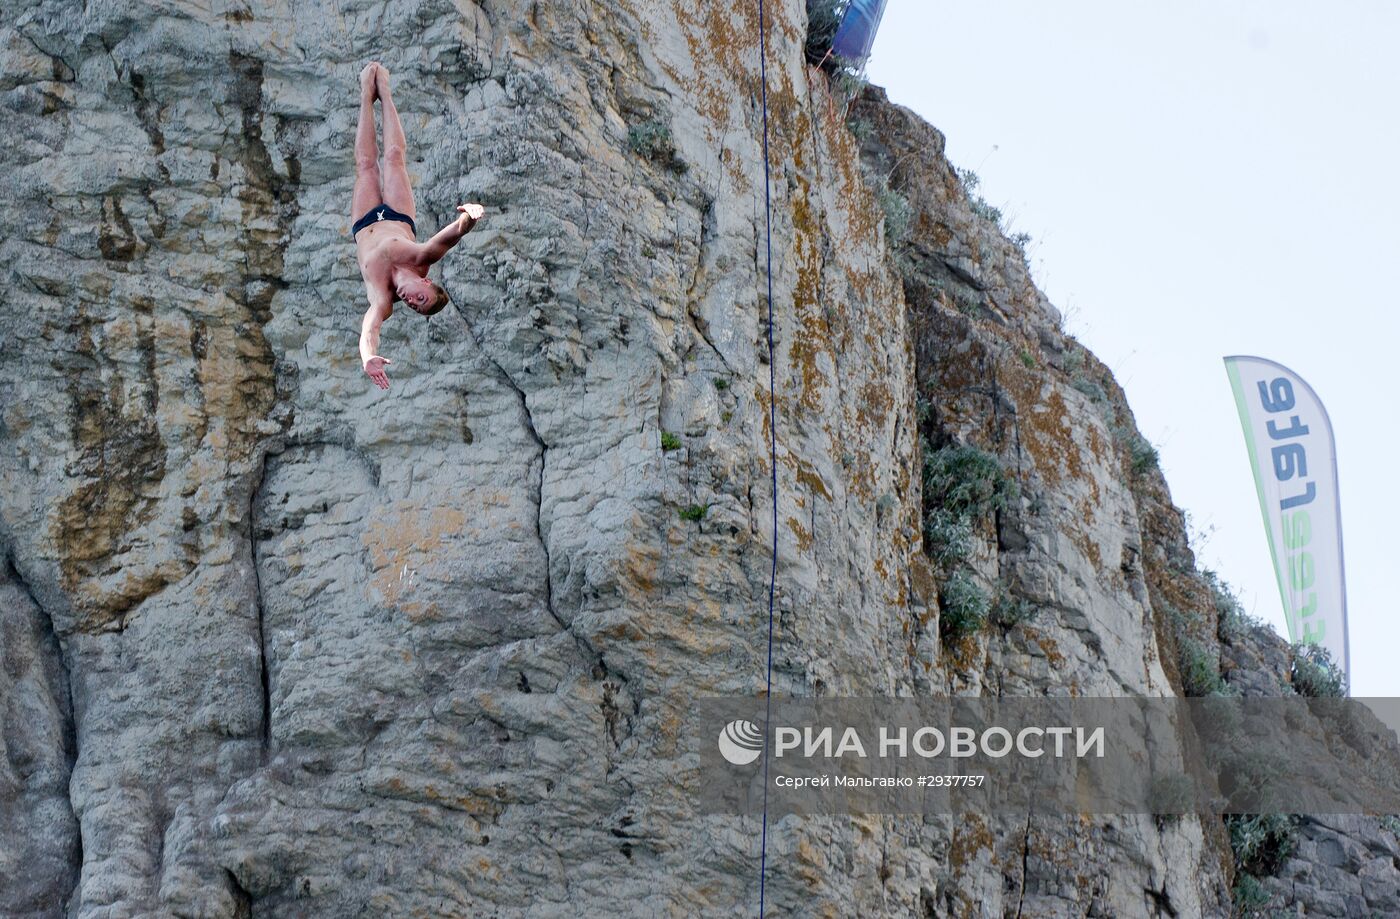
x=277 y=644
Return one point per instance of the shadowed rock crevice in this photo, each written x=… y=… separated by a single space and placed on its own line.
x=594 y=661
x=264 y=672
x=40 y=840
x=595 y=664
x=1025 y=869
x=269 y=199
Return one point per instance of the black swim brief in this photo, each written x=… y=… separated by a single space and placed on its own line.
x=382 y=212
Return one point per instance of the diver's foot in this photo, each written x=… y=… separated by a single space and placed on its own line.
x=369 y=85
x=381 y=79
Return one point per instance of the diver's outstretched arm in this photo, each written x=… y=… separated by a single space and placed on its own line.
x=443 y=240
x=369 y=342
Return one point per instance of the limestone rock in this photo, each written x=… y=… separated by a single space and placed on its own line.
x=276 y=643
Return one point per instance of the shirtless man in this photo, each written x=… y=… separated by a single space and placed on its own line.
x=393 y=263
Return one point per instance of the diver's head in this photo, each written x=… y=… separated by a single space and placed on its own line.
x=421 y=295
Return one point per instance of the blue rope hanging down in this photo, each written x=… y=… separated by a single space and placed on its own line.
x=772 y=450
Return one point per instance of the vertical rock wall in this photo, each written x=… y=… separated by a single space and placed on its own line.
x=339 y=653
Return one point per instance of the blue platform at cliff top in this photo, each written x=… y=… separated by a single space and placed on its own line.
x=857 y=30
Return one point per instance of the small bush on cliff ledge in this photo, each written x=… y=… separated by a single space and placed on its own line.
x=1200 y=672
x=1144 y=455
x=899 y=214
x=1315 y=674
x=1261 y=843
x=962 y=484
x=971 y=181
x=983 y=208
x=1197 y=663
x=1141 y=454
x=1171 y=796
x=947 y=538
x=1250 y=898
x=1009 y=611
x=964 y=607
x=966 y=481
x=1233 y=624
x=652 y=139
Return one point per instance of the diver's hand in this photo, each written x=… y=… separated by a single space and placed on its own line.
x=471 y=213
x=375 y=368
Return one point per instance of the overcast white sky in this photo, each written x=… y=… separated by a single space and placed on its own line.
x=1200 y=179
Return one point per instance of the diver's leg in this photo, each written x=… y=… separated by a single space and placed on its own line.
x=398 y=191
x=366 y=194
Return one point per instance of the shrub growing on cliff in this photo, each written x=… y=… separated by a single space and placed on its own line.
x=1253 y=781
x=1250 y=898
x=1233 y=624
x=983 y=208
x=1074 y=359
x=962 y=484
x=969 y=304
x=860 y=129
x=1170 y=797
x=849 y=81
x=1021 y=241
x=1261 y=842
x=652 y=139
x=823 y=19
x=964 y=606
x=1142 y=456
x=1009 y=611
x=971 y=181
x=898 y=215
x=947 y=538
x=1089 y=387
x=1200 y=674
x=1315 y=674
x=1197 y=663
x=966 y=481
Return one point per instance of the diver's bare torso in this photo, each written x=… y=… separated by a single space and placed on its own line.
x=375 y=250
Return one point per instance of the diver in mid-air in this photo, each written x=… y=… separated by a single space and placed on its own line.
x=393 y=264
